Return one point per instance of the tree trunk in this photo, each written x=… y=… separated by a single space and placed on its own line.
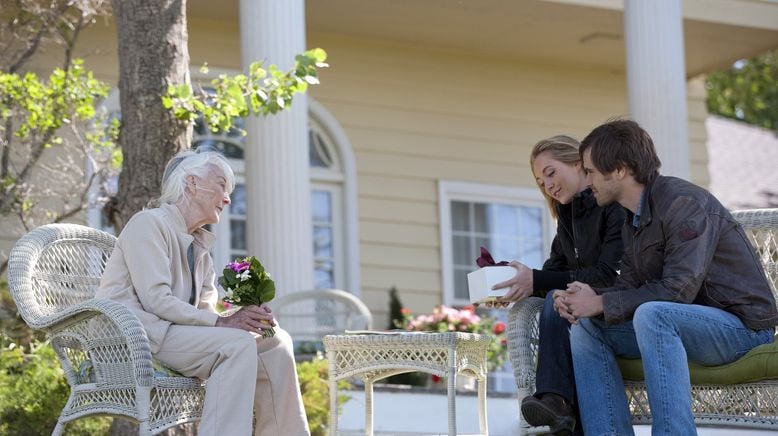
x=153 y=54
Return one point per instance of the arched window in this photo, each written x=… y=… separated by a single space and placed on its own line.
x=333 y=198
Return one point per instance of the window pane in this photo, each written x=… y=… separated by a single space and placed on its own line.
x=505 y=249
x=505 y=219
x=460 y=215
x=322 y=275
x=227 y=148
x=529 y=222
x=460 y=283
x=322 y=242
x=483 y=242
x=238 y=199
x=462 y=250
x=509 y=232
x=534 y=258
x=481 y=221
x=321 y=205
x=238 y=234
x=318 y=154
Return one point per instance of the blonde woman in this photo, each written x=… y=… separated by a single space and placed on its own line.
x=587 y=248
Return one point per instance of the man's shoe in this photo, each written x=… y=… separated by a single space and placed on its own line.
x=551 y=410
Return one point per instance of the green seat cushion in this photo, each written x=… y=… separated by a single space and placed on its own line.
x=86 y=373
x=162 y=370
x=758 y=364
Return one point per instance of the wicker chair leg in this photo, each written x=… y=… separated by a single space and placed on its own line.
x=143 y=403
x=59 y=429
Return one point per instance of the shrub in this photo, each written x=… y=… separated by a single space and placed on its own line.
x=446 y=319
x=33 y=391
x=314 y=386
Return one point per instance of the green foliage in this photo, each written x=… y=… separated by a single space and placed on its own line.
x=41 y=107
x=33 y=391
x=13 y=330
x=313 y=376
x=34 y=112
x=246 y=282
x=261 y=92
x=748 y=91
x=395 y=308
x=33 y=388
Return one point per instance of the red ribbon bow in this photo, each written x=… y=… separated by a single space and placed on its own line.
x=486 y=259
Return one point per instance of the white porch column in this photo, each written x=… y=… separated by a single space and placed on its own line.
x=277 y=180
x=656 y=78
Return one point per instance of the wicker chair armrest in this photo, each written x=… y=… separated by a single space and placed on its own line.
x=128 y=326
x=522 y=334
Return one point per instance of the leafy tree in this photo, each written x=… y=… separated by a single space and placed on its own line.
x=747 y=91
x=154 y=62
x=49 y=126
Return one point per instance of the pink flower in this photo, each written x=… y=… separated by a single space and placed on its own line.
x=239 y=266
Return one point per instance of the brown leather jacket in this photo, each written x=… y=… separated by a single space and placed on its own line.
x=688 y=249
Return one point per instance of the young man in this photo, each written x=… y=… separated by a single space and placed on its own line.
x=690 y=288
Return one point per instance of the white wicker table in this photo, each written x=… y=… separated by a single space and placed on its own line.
x=372 y=357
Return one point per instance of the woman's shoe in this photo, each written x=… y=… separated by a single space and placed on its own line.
x=551 y=410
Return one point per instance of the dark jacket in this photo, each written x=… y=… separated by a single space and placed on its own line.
x=587 y=246
x=689 y=249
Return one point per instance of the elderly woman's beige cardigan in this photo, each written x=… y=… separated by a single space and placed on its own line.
x=149 y=273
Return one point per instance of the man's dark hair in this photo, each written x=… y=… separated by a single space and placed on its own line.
x=622 y=143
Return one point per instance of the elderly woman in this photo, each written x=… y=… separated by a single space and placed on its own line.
x=162 y=270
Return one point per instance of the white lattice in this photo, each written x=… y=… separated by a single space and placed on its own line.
x=374 y=357
x=53 y=274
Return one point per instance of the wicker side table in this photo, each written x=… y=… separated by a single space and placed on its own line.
x=372 y=357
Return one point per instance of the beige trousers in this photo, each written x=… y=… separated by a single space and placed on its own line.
x=245 y=372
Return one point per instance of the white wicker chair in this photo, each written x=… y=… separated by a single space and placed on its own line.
x=747 y=405
x=53 y=274
x=310 y=315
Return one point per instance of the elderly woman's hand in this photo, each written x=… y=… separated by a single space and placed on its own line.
x=250 y=318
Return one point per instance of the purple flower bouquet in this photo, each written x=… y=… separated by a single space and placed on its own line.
x=246 y=282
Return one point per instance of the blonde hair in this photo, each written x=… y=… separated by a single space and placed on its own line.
x=562 y=148
x=190 y=162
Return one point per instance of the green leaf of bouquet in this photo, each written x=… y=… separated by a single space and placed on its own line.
x=267 y=291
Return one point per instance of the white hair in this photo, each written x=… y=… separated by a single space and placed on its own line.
x=194 y=163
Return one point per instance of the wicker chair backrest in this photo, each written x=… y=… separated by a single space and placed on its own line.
x=56 y=266
x=761 y=226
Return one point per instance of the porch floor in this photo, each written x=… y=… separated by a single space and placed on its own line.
x=402 y=412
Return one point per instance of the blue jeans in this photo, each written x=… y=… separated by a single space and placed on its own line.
x=555 y=361
x=665 y=335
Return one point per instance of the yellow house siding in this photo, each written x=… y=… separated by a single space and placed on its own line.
x=415 y=116
x=698 y=136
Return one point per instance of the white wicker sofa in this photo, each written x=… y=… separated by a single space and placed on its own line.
x=53 y=274
x=741 y=394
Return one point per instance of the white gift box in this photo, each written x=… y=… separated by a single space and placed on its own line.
x=480 y=282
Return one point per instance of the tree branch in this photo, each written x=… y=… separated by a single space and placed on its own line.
x=5 y=157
